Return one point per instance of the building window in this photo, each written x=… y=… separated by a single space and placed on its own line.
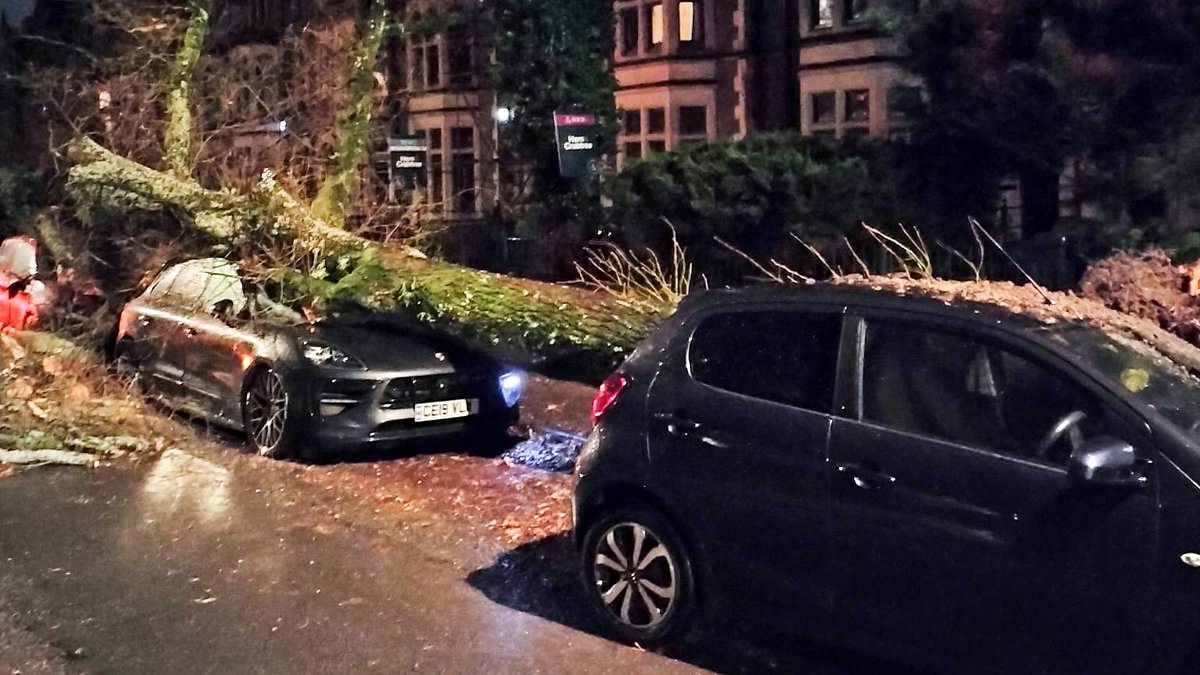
x=656 y=121
x=633 y=150
x=415 y=56
x=657 y=146
x=902 y=101
x=462 y=168
x=433 y=66
x=632 y=122
x=691 y=25
x=858 y=105
x=656 y=27
x=824 y=108
x=630 y=31
x=855 y=10
x=437 y=181
x=462 y=138
x=458 y=55
x=821 y=13
x=693 y=120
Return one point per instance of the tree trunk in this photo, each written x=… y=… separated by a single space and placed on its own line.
x=552 y=327
x=354 y=124
x=177 y=138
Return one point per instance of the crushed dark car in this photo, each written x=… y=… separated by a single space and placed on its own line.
x=214 y=345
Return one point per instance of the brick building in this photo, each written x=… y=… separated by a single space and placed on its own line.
x=692 y=70
x=687 y=71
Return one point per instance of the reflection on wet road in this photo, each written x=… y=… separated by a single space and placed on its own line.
x=183 y=565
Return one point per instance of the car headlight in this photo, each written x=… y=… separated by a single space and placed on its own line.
x=512 y=384
x=321 y=354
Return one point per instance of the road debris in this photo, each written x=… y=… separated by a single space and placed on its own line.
x=46 y=457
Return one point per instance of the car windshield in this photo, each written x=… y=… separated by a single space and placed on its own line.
x=1145 y=373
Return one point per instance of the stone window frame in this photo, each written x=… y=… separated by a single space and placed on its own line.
x=671 y=44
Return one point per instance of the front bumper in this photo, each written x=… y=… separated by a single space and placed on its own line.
x=368 y=418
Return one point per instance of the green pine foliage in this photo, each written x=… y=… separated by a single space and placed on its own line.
x=755 y=192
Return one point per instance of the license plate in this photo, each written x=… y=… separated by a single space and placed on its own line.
x=441 y=410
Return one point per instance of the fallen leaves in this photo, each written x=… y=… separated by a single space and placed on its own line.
x=514 y=504
x=60 y=399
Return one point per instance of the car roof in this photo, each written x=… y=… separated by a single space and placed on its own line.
x=858 y=296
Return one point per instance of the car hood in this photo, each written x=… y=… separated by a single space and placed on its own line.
x=385 y=348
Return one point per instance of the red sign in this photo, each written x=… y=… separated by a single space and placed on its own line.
x=569 y=120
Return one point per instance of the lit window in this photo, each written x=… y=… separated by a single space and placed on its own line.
x=629 y=31
x=691 y=23
x=858 y=105
x=823 y=111
x=821 y=13
x=655 y=20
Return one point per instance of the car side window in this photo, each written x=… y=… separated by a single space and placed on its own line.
x=199 y=285
x=787 y=357
x=960 y=389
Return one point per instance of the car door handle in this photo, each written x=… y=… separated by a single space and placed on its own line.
x=866 y=476
x=677 y=424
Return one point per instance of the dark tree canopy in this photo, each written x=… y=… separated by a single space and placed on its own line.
x=551 y=55
x=1022 y=87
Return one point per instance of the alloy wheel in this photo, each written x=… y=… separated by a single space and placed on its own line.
x=634 y=575
x=266 y=411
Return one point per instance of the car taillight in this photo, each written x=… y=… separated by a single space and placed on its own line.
x=607 y=394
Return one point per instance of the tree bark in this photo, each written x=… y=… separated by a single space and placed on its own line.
x=354 y=124
x=556 y=328
x=177 y=137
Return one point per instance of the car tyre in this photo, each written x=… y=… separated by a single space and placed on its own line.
x=638 y=577
x=270 y=415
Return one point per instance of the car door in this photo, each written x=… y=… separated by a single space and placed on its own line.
x=217 y=338
x=152 y=327
x=740 y=418
x=956 y=528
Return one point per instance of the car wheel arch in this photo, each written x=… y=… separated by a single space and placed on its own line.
x=620 y=495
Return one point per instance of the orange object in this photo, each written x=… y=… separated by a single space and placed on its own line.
x=17 y=310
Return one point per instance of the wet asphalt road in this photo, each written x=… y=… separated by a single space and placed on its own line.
x=190 y=564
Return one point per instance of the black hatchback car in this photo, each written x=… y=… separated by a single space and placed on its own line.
x=212 y=344
x=950 y=484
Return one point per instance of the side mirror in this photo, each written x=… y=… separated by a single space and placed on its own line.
x=1105 y=461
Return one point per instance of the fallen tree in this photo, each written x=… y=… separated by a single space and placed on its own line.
x=547 y=326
